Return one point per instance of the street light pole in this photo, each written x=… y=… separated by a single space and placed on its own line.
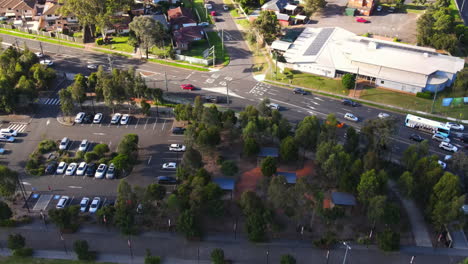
x=355 y=82
x=346 y=252
x=267 y=255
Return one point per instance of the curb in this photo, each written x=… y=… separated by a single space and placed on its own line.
x=59 y=119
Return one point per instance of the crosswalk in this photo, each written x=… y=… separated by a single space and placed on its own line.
x=20 y=127
x=49 y=101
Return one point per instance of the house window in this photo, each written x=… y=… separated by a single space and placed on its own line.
x=382 y=82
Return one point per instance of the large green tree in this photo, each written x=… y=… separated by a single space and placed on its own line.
x=307 y=133
x=66 y=101
x=148 y=32
x=8 y=181
x=267 y=25
x=288 y=150
x=312 y=6
x=268 y=166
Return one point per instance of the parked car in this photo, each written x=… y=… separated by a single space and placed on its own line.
x=178 y=130
x=90 y=170
x=62 y=203
x=225 y=7
x=350 y=103
x=440 y=138
x=351 y=117
x=116 y=118
x=8 y=132
x=169 y=166
x=213 y=13
x=442 y=164
x=203 y=24
x=46 y=62
x=208 y=6
x=125 y=119
x=448 y=147
x=101 y=170
x=64 y=143
x=97 y=118
x=84 y=204
x=362 y=20
x=5 y=138
x=274 y=106
x=88 y=119
x=166 y=180
x=455 y=126
x=383 y=115
x=187 y=86
x=416 y=138
x=391 y=9
x=379 y=8
x=80 y=171
x=51 y=167
x=71 y=169
x=61 y=167
x=91 y=66
x=39 y=54
x=83 y=145
x=95 y=205
x=110 y=174
x=177 y=147
x=300 y=91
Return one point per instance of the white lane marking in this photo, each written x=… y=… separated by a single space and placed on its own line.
x=26 y=183
x=138 y=121
x=302 y=108
x=75 y=187
x=222 y=90
x=318 y=98
x=315 y=103
x=146 y=123
x=155 y=122
x=48 y=122
x=149 y=160
x=99 y=134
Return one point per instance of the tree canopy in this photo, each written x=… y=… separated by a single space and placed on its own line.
x=267 y=25
x=148 y=32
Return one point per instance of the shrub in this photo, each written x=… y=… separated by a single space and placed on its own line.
x=101 y=149
x=99 y=41
x=8 y=223
x=16 y=241
x=81 y=249
x=326 y=241
x=229 y=168
x=288 y=259
x=104 y=160
x=46 y=146
x=217 y=256
x=388 y=240
x=23 y=252
x=425 y=95
x=348 y=81
x=152 y=259
x=80 y=155
x=90 y=156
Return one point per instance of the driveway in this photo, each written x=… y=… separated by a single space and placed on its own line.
x=399 y=25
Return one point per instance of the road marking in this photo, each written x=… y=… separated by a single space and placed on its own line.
x=48 y=122
x=26 y=183
x=318 y=98
x=110 y=144
x=315 y=103
x=155 y=122
x=99 y=134
x=75 y=187
x=146 y=123
x=109 y=125
x=188 y=76
x=136 y=125
x=173 y=140
x=304 y=109
x=149 y=160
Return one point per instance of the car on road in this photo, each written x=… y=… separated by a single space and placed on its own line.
x=64 y=143
x=46 y=62
x=447 y=157
x=61 y=167
x=80 y=171
x=187 y=86
x=169 y=166
x=125 y=119
x=39 y=54
x=225 y=7
x=300 y=91
x=166 y=180
x=274 y=106
x=97 y=118
x=51 y=167
x=95 y=204
x=208 y=6
x=362 y=20
x=350 y=103
x=116 y=118
x=92 y=66
x=177 y=147
x=351 y=117
x=83 y=145
x=110 y=174
x=71 y=169
x=101 y=170
x=379 y=8
x=455 y=126
x=440 y=138
x=338 y=124
x=8 y=132
x=84 y=204
x=442 y=164
x=203 y=24
x=178 y=130
x=448 y=147
x=79 y=117
x=383 y=115
x=90 y=170
x=416 y=137
x=213 y=13
x=62 y=203
x=391 y=9
x=5 y=138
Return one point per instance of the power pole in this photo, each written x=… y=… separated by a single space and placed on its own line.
x=165 y=81
x=227 y=93
x=214 y=56
x=276 y=66
x=40 y=45
x=222 y=42
x=433 y=100
x=355 y=82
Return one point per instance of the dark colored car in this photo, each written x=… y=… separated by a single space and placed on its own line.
x=90 y=170
x=300 y=91
x=51 y=167
x=350 y=103
x=415 y=137
x=108 y=202
x=166 y=180
x=88 y=119
x=178 y=130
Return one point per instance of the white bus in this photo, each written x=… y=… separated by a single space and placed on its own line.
x=427 y=125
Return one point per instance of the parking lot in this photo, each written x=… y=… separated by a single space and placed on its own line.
x=48 y=200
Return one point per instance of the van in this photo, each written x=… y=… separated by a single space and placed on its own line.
x=8 y=132
x=440 y=138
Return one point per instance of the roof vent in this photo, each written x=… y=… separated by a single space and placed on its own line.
x=426 y=55
x=372 y=45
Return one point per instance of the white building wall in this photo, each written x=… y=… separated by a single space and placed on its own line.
x=398 y=86
x=315 y=69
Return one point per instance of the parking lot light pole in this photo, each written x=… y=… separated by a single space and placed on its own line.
x=346 y=252
x=267 y=256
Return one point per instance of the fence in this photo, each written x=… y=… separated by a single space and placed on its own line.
x=193 y=60
x=48 y=34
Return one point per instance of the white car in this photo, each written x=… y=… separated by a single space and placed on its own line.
x=39 y=54
x=351 y=117
x=125 y=119
x=274 y=106
x=62 y=202
x=79 y=117
x=169 y=166
x=8 y=132
x=83 y=145
x=116 y=118
x=92 y=66
x=442 y=164
x=225 y=7
x=203 y=24
x=440 y=138
x=110 y=174
x=448 y=147
x=71 y=169
x=5 y=138
x=379 y=8
x=455 y=126
x=61 y=167
x=95 y=204
x=64 y=143
x=383 y=115
x=177 y=147
x=208 y=6
x=447 y=157
x=97 y=118
x=101 y=170
x=80 y=171
x=84 y=204
x=46 y=62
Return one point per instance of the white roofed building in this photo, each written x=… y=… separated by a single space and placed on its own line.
x=333 y=51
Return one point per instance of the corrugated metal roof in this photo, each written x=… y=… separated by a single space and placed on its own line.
x=290 y=176
x=341 y=198
x=226 y=184
x=268 y=152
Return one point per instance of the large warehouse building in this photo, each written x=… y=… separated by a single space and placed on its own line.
x=334 y=51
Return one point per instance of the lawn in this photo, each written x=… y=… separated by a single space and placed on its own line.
x=40 y=38
x=196 y=49
x=179 y=65
x=216 y=40
x=13 y=260
x=120 y=44
x=411 y=8
x=244 y=23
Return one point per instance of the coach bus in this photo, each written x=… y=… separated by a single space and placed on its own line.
x=427 y=125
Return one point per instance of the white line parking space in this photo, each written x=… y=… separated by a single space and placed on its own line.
x=42 y=202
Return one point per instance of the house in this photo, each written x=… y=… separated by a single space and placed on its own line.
x=120 y=24
x=186 y=35
x=179 y=16
x=18 y=9
x=290 y=177
x=226 y=184
x=161 y=19
x=268 y=152
x=283 y=19
x=53 y=20
x=362 y=7
x=276 y=6
x=342 y=199
x=334 y=51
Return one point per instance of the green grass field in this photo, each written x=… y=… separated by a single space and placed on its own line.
x=196 y=49
x=120 y=44
x=40 y=38
x=216 y=40
x=179 y=65
x=13 y=260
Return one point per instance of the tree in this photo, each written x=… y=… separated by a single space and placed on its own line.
x=8 y=180
x=350 y=179
x=377 y=133
x=287 y=259
x=459 y=164
x=209 y=137
x=461 y=83
x=155 y=192
x=211 y=117
x=101 y=149
x=128 y=145
x=307 y=133
x=187 y=224
x=406 y=183
x=278 y=193
x=145 y=107
x=66 y=218
x=198 y=108
x=66 y=101
x=369 y=186
x=328 y=130
x=78 y=88
x=192 y=159
x=151 y=259
x=348 y=80
x=229 y=168
x=267 y=25
x=388 y=240
x=81 y=249
x=312 y=6
x=376 y=209
x=288 y=150
x=256 y=226
x=122 y=162
x=268 y=166
x=251 y=147
x=445 y=201
x=16 y=241
x=352 y=140
x=148 y=32
x=5 y=211
x=217 y=256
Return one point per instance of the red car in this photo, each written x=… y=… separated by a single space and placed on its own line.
x=187 y=87
x=361 y=20
x=213 y=13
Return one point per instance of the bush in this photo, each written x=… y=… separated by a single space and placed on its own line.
x=46 y=146
x=81 y=249
x=217 y=256
x=326 y=241
x=90 y=156
x=229 y=168
x=80 y=155
x=104 y=160
x=23 y=252
x=99 y=41
x=152 y=260
x=288 y=259
x=348 y=81
x=425 y=95
x=101 y=149
x=16 y=241
x=388 y=240
x=8 y=223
